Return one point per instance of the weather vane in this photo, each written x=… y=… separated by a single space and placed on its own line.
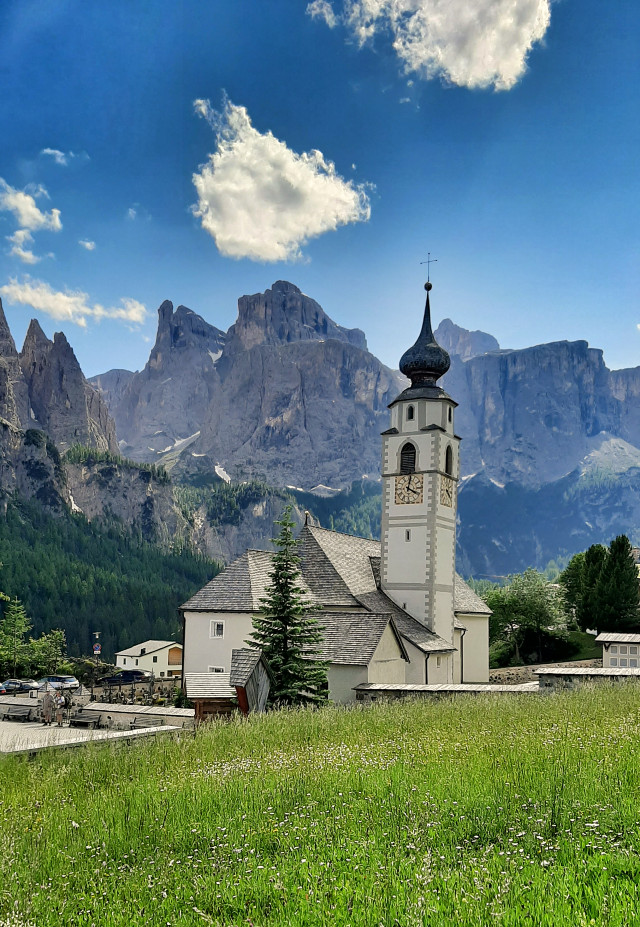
x=429 y=261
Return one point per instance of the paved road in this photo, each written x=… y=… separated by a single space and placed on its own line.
x=19 y=736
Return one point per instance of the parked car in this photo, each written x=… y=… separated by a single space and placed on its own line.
x=59 y=682
x=126 y=678
x=14 y=686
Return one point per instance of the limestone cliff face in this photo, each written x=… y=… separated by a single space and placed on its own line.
x=460 y=341
x=103 y=491
x=531 y=416
x=284 y=314
x=287 y=395
x=66 y=406
x=167 y=401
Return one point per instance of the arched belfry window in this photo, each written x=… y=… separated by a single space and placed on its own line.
x=408 y=459
x=448 y=461
x=410 y=413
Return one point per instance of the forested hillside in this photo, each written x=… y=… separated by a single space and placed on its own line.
x=73 y=575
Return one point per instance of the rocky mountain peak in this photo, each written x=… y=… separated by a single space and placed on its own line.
x=7 y=344
x=464 y=343
x=283 y=315
x=180 y=330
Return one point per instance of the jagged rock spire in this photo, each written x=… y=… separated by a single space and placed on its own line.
x=426 y=361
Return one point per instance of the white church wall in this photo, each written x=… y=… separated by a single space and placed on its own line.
x=204 y=648
x=440 y=668
x=476 y=648
x=414 y=671
x=342 y=678
x=387 y=664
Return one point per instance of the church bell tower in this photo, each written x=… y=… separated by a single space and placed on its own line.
x=420 y=472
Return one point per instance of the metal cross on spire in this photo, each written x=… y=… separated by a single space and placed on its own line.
x=429 y=261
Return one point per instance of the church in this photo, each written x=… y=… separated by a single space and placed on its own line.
x=392 y=612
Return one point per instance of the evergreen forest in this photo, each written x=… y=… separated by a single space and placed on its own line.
x=81 y=577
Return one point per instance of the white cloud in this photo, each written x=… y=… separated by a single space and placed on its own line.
x=322 y=9
x=64 y=158
x=259 y=199
x=70 y=305
x=58 y=156
x=87 y=245
x=132 y=212
x=19 y=240
x=22 y=203
x=482 y=43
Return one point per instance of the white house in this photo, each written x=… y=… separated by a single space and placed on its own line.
x=619 y=650
x=162 y=658
x=393 y=611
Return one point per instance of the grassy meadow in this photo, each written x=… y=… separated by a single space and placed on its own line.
x=519 y=810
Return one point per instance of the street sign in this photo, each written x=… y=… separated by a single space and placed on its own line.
x=97 y=649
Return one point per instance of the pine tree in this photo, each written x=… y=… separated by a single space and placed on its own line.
x=14 y=627
x=572 y=581
x=285 y=630
x=587 y=613
x=617 y=594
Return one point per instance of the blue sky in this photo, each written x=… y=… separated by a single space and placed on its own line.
x=502 y=140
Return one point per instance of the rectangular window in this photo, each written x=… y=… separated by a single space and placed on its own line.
x=216 y=628
x=633 y=649
x=162 y=672
x=613 y=648
x=407 y=534
x=155 y=659
x=136 y=662
x=216 y=669
x=124 y=661
x=623 y=648
x=623 y=661
x=633 y=661
x=613 y=661
x=438 y=661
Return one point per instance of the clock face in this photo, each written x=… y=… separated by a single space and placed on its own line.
x=409 y=488
x=446 y=491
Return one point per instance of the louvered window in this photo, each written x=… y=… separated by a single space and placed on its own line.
x=448 y=461
x=408 y=459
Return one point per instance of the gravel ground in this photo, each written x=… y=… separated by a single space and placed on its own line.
x=512 y=675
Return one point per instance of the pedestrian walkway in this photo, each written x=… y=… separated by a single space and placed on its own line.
x=31 y=737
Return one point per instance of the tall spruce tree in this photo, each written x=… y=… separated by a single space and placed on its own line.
x=285 y=630
x=587 y=612
x=617 y=594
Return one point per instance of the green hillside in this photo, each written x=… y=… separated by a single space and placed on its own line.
x=77 y=576
x=520 y=810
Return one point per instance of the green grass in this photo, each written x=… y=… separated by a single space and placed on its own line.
x=514 y=811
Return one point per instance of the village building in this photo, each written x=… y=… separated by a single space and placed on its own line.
x=392 y=612
x=619 y=650
x=162 y=658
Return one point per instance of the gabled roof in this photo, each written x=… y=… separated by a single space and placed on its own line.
x=243 y=663
x=353 y=639
x=612 y=637
x=239 y=587
x=148 y=647
x=208 y=685
x=339 y=571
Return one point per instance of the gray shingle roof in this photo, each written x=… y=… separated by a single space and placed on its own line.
x=613 y=637
x=243 y=663
x=208 y=685
x=240 y=587
x=338 y=570
x=353 y=639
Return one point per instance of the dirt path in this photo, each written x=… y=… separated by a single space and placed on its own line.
x=512 y=675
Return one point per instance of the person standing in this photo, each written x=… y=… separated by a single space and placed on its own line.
x=60 y=705
x=48 y=706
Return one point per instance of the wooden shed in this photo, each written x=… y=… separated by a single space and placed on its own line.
x=245 y=688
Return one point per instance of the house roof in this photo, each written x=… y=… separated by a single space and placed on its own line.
x=354 y=638
x=239 y=587
x=338 y=571
x=243 y=663
x=208 y=685
x=148 y=647
x=610 y=637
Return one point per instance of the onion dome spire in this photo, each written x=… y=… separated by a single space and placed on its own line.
x=426 y=361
